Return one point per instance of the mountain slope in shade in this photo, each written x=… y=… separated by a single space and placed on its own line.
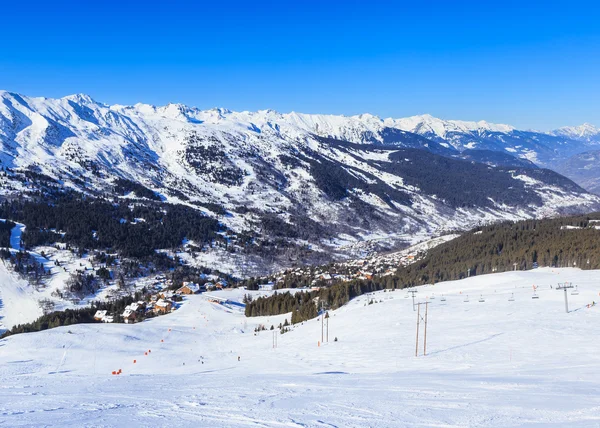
x=584 y=168
x=357 y=178
x=494 y=158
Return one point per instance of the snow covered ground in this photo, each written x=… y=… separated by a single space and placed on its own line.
x=495 y=363
x=20 y=301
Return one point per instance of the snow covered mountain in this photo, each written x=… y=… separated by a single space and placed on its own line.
x=543 y=149
x=318 y=179
x=586 y=132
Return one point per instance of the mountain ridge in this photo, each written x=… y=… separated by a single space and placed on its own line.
x=409 y=123
x=356 y=176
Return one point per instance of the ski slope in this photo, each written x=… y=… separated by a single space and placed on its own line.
x=497 y=363
x=18 y=303
x=18 y=300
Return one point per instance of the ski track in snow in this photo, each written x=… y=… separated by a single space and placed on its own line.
x=490 y=364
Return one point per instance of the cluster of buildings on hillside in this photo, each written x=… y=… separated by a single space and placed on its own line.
x=160 y=302
x=364 y=269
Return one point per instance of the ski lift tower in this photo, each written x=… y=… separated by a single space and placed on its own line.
x=565 y=286
x=413 y=297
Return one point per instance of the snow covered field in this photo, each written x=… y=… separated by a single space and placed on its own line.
x=495 y=363
x=20 y=301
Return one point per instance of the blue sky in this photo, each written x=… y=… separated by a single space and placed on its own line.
x=533 y=66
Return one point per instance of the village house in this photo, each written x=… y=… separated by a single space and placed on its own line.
x=188 y=288
x=99 y=315
x=165 y=294
x=162 y=307
x=219 y=285
x=128 y=315
x=132 y=311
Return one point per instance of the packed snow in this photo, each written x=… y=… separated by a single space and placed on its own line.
x=495 y=362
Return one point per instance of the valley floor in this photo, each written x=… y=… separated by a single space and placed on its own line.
x=495 y=363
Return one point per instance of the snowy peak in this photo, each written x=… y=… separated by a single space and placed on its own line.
x=426 y=123
x=585 y=132
x=80 y=98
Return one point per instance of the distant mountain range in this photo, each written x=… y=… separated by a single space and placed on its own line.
x=333 y=180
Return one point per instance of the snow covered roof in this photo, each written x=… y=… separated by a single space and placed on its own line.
x=162 y=303
x=193 y=287
x=127 y=313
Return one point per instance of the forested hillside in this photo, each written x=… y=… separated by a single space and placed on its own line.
x=134 y=230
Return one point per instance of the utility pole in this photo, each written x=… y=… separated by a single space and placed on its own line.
x=327 y=317
x=425 y=335
x=565 y=286
x=322 y=322
x=413 y=292
x=419 y=318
